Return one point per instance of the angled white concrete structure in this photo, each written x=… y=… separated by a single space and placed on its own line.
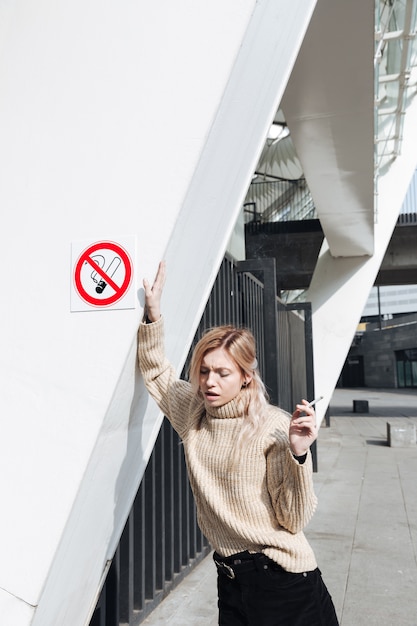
x=340 y=286
x=118 y=121
x=329 y=108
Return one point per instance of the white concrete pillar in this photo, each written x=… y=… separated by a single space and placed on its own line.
x=340 y=286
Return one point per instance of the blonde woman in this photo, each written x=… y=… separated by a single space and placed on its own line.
x=250 y=470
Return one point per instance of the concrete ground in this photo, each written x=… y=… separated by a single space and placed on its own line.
x=364 y=532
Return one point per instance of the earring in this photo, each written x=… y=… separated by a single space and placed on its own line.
x=245 y=384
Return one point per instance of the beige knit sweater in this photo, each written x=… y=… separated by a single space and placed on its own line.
x=265 y=502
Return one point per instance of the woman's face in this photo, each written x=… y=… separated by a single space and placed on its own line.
x=220 y=377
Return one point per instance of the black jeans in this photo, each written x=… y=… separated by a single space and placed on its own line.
x=266 y=595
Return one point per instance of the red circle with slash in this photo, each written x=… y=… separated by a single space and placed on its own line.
x=119 y=289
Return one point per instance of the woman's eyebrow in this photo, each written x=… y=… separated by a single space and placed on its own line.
x=216 y=369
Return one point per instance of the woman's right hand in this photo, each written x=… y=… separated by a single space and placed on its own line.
x=153 y=294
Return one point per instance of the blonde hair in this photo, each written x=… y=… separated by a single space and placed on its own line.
x=240 y=345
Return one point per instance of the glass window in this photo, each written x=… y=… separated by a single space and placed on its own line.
x=406 y=367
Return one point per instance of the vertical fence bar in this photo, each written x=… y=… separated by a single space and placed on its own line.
x=284 y=364
x=307 y=329
x=160 y=511
x=185 y=524
x=267 y=268
x=169 y=498
x=139 y=600
x=177 y=509
x=150 y=543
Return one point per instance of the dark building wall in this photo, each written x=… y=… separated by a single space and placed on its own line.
x=377 y=349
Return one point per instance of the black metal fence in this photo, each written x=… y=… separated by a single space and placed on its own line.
x=161 y=541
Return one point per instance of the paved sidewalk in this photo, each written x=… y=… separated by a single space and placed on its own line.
x=364 y=532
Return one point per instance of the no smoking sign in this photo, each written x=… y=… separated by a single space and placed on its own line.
x=102 y=275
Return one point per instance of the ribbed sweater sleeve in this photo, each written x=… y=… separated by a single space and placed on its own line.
x=172 y=395
x=292 y=495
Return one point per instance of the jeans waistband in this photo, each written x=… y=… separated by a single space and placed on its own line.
x=239 y=563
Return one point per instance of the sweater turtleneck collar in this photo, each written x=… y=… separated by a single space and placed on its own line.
x=234 y=408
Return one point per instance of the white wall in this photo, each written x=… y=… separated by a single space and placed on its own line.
x=104 y=111
x=136 y=119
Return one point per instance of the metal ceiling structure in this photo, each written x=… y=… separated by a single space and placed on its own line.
x=395 y=66
x=344 y=107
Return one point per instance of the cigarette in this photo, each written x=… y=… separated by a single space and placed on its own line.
x=313 y=402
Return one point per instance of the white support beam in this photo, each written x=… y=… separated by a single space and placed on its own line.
x=340 y=287
x=329 y=107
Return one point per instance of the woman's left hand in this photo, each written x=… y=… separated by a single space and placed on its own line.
x=303 y=428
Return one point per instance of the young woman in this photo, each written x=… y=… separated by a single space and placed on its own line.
x=250 y=470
